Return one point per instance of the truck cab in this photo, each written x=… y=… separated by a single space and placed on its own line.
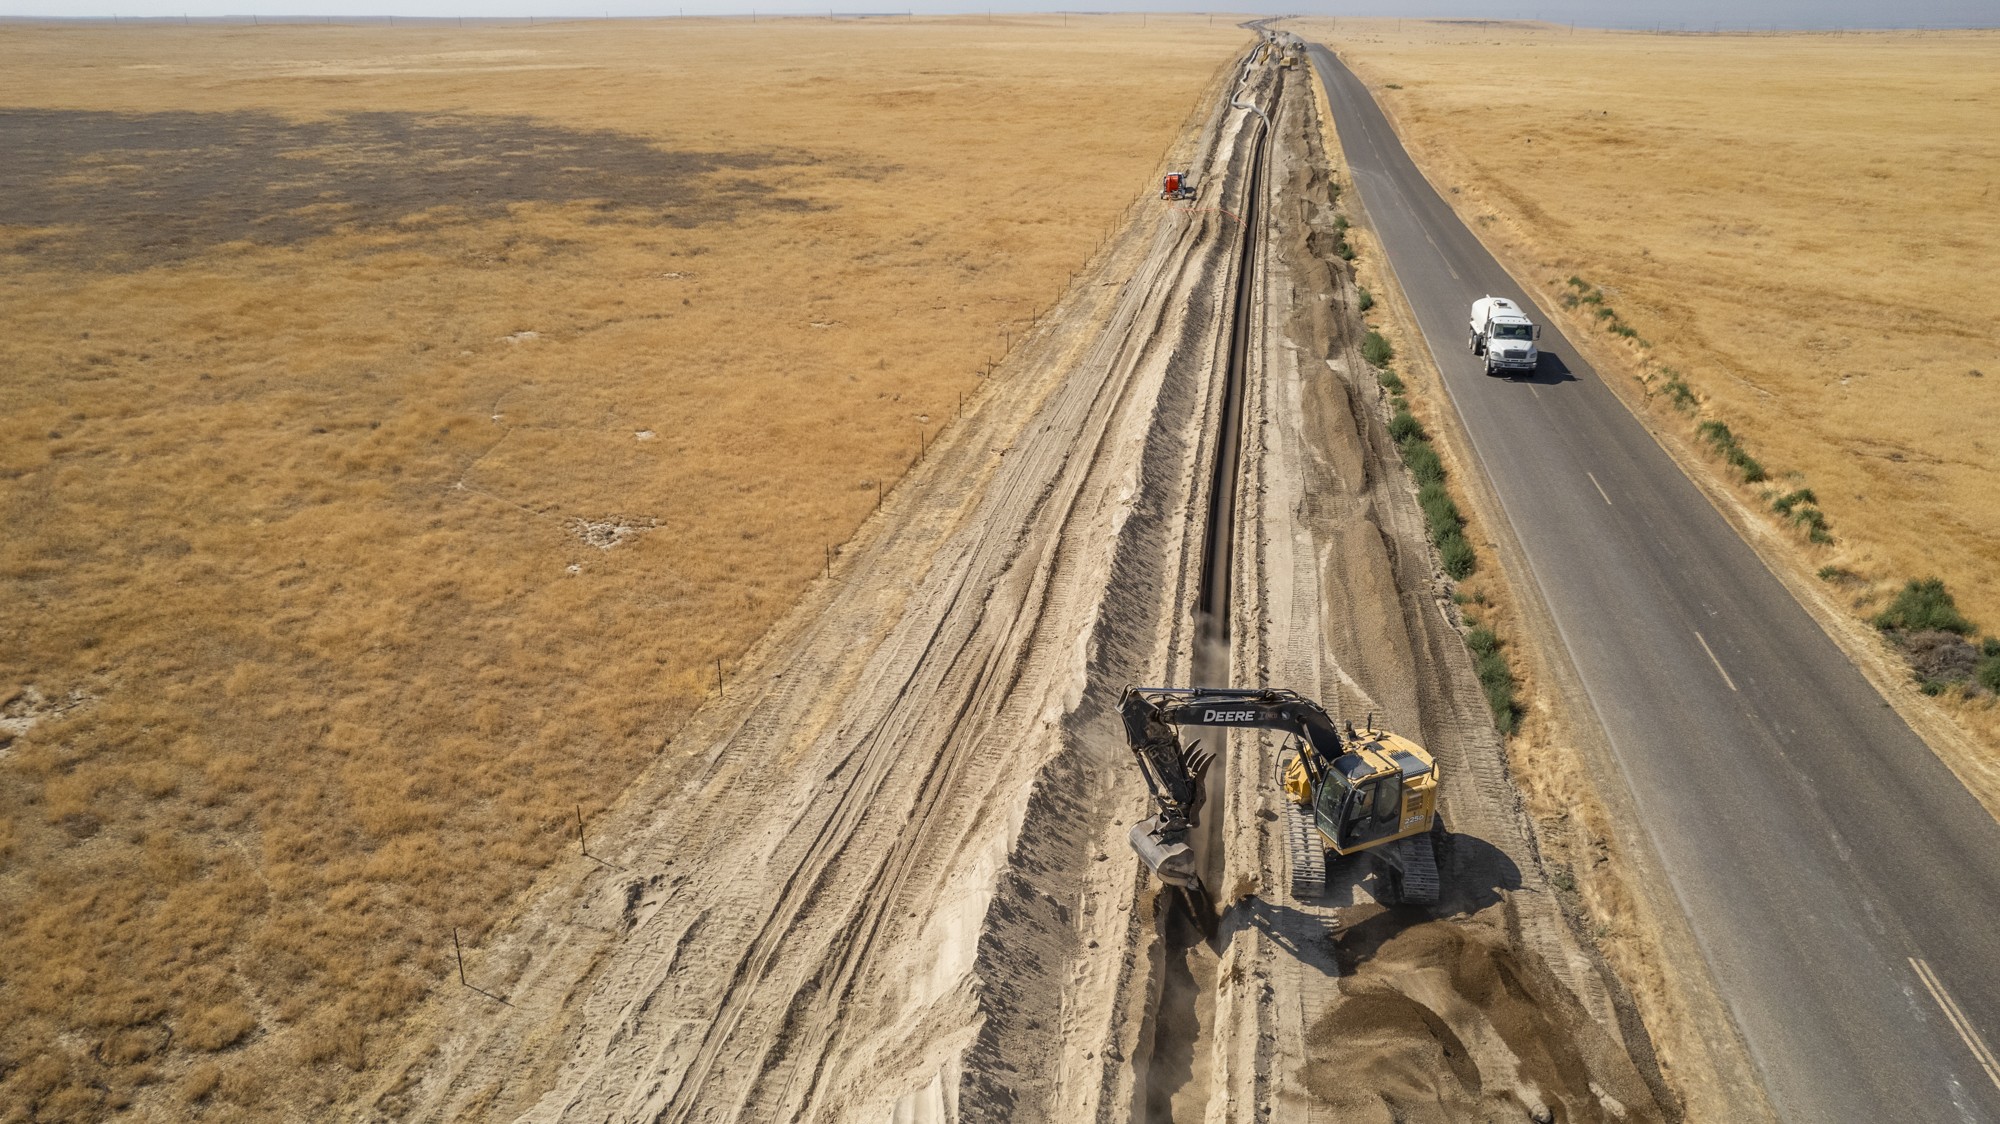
x=1504 y=336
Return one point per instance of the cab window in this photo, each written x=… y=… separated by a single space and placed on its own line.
x=1389 y=800
x=1330 y=793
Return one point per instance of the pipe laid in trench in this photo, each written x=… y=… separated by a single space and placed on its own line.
x=1174 y=1067
x=1211 y=653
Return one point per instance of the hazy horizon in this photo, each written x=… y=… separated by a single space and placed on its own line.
x=1669 y=15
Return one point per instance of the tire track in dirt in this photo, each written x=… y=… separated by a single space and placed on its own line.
x=1181 y=1008
x=1338 y=1009
x=800 y=920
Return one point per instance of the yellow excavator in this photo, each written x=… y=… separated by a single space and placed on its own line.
x=1363 y=791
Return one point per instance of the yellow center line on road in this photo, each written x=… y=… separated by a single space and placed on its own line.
x=1607 y=500
x=1958 y=1021
x=1706 y=648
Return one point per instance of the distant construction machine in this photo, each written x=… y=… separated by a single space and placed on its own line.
x=1369 y=791
x=1177 y=185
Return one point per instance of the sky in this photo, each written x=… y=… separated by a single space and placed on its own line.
x=1691 y=15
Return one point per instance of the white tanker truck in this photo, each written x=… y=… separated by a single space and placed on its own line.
x=1504 y=335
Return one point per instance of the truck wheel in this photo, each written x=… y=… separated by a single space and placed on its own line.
x=1472 y=343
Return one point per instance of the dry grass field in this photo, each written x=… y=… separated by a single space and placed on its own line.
x=1800 y=228
x=396 y=428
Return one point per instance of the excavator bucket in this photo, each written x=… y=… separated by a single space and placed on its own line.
x=1164 y=850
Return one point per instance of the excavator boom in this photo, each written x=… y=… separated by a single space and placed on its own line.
x=1349 y=792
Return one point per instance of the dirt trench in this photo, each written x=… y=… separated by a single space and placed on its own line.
x=1486 y=1007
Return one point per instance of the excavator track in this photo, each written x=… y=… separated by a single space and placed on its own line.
x=1307 y=853
x=1417 y=859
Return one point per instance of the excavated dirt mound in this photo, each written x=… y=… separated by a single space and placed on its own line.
x=1485 y=1007
x=1450 y=1023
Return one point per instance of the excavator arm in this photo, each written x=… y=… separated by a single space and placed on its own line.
x=1173 y=771
x=1152 y=714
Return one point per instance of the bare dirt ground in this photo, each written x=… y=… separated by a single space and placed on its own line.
x=1487 y=1006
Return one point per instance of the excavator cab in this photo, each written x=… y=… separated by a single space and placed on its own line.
x=1375 y=793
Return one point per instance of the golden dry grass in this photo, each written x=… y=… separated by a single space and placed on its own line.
x=1804 y=226
x=298 y=612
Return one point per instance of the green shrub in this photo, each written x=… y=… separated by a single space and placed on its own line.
x=1989 y=671
x=1812 y=519
x=1923 y=606
x=1498 y=680
x=1433 y=494
x=1376 y=349
x=1458 y=556
x=1677 y=391
x=1340 y=222
x=1440 y=513
x=1364 y=300
x=1576 y=282
x=1717 y=434
x=1482 y=640
x=1345 y=251
x=1405 y=427
x=1390 y=379
x=1784 y=504
x=1422 y=460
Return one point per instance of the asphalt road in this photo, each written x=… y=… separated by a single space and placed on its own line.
x=1843 y=886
